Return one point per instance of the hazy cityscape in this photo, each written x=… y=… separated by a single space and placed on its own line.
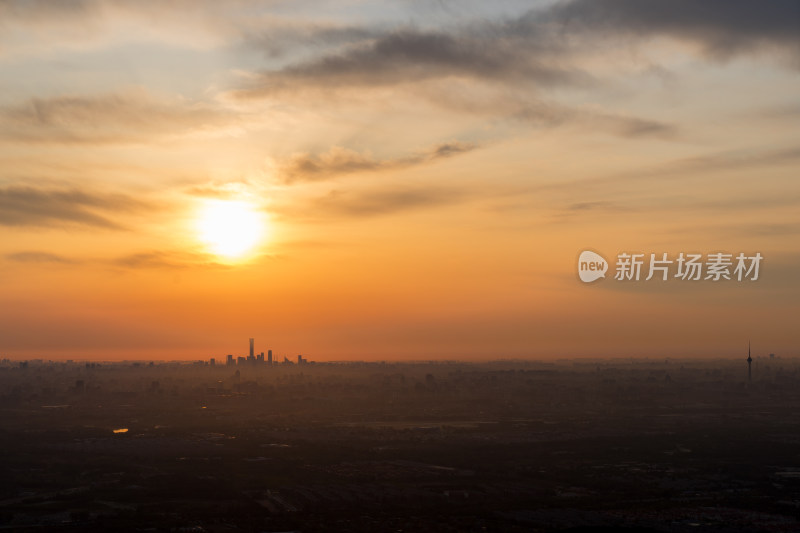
x=643 y=444
x=412 y=266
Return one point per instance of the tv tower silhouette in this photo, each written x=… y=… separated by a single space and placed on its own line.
x=749 y=364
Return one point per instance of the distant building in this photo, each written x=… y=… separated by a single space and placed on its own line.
x=212 y=362
x=260 y=358
x=230 y=360
x=269 y=357
x=301 y=360
x=241 y=361
x=252 y=348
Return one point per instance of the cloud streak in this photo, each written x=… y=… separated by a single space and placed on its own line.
x=125 y=117
x=37 y=207
x=159 y=259
x=40 y=257
x=384 y=202
x=538 y=47
x=402 y=56
x=341 y=161
x=723 y=28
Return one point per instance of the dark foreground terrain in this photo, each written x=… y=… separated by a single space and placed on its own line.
x=672 y=445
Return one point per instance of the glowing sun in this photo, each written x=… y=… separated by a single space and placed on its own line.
x=229 y=228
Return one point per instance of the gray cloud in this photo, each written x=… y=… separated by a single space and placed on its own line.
x=410 y=55
x=38 y=11
x=525 y=108
x=734 y=159
x=723 y=28
x=535 y=47
x=134 y=116
x=339 y=161
x=290 y=38
x=29 y=206
x=553 y=115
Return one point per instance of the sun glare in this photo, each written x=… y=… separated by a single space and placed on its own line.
x=229 y=228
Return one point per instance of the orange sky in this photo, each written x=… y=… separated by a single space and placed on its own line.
x=397 y=180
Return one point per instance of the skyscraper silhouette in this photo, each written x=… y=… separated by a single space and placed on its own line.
x=251 y=348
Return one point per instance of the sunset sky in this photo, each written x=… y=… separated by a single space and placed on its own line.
x=394 y=180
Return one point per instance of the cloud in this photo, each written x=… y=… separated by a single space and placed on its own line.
x=40 y=257
x=594 y=206
x=125 y=117
x=538 y=47
x=450 y=149
x=345 y=204
x=406 y=55
x=554 y=115
x=36 y=207
x=221 y=190
x=733 y=159
x=37 y=27
x=152 y=259
x=280 y=39
x=160 y=259
x=685 y=168
x=339 y=161
x=723 y=28
x=384 y=202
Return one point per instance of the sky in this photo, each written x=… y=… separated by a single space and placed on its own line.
x=396 y=180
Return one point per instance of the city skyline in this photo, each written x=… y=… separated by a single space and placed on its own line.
x=395 y=181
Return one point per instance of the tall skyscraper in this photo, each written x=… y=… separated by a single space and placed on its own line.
x=269 y=357
x=252 y=348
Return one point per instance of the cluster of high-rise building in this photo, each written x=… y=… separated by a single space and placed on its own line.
x=258 y=359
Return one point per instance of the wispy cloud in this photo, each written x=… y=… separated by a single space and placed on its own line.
x=539 y=47
x=723 y=28
x=383 y=202
x=222 y=190
x=40 y=257
x=124 y=117
x=411 y=55
x=161 y=259
x=743 y=158
x=684 y=168
x=552 y=115
x=149 y=259
x=338 y=161
x=40 y=207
